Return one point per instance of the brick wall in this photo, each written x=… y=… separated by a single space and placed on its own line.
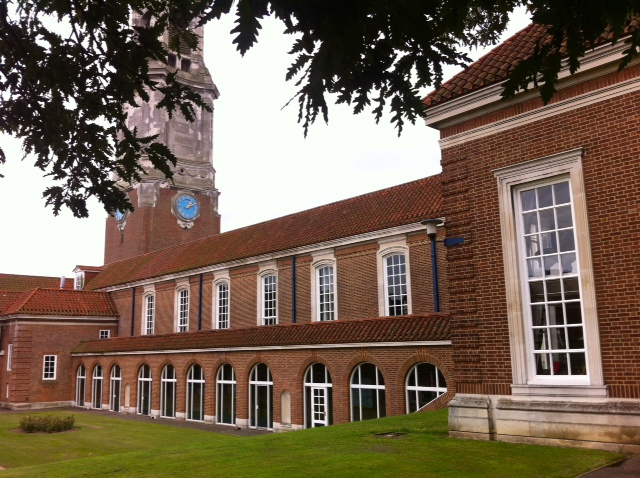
x=288 y=369
x=150 y=228
x=608 y=132
x=32 y=341
x=357 y=277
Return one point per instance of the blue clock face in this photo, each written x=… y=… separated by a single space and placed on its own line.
x=119 y=215
x=187 y=206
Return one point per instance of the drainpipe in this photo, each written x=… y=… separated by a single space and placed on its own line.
x=432 y=225
x=133 y=310
x=293 y=289
x=200 y=305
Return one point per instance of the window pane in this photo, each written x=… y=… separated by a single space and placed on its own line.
x=561 y=191
x=567 y=242
x=565 y=218
x=545 y=197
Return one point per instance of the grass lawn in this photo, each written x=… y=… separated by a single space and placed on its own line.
x=110 y=446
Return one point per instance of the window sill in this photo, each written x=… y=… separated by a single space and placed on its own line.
x=539 y=390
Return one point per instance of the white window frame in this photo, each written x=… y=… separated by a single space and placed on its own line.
x=78 y=283
x=168 y=384
x=220 y=316
x=49 y=367
x=379 y=389
x=9 y=357
x=266 y=271
x=439 y=389
x=149 y=293
x=568 y=166
x=390 y=247
x=182 y=315
x=104 y=334
x=320 y=260
x=144 y=381
x=193 y=384
x=222 y=388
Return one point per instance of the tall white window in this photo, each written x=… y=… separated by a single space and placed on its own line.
x=183 y=310
x=318 y=396
x=395 y=272
x=549 y=256
x=195 y=393
x=9 y=357
x=325 y=282
x=144 y=390
x=115 y=387
x=549 y=277
x=168 y=392
x=81 y=381
x=79 y=281
x=49 y=367
x=222 y=305
x=269 y=300
x=96 y=387
x=367 y=393
x=150 y=314
x=226 y=395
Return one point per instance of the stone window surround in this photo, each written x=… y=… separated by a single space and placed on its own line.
x=221 y=277
x=266 y=269
x=566 y=165
x=321 y=259
x=49 y=367
x=181 y=284
x=148 y=290
x=387 y=247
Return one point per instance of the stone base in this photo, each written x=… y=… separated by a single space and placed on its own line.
x=606 y=424
x=35 y=405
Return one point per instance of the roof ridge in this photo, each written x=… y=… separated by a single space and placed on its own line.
x=255 y=225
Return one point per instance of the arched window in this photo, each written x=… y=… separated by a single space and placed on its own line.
x=195 y=393
x=81 y=380
x=168 y=392
x=261 y=397
x=367 y=393
x=318 y=396
x=96 y=387
x=115 y=387
x=269 y=299
x=144 y=390
x=226 y=395
x=425 y=383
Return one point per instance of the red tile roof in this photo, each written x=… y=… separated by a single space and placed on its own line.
x=384 y=329
x=43 y=302
x=492 y=68
x=17 y=282
x=399 y=205
x=90 y=268
x=496 y=65
x=7 y=298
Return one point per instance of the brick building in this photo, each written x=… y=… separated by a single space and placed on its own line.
x=333 y=314
x=544 y=290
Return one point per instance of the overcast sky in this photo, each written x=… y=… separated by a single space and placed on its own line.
x=265 y=167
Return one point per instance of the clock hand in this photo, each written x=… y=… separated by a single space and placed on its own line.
x=190 y=205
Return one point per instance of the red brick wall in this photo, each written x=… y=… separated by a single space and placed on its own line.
x=357 y=282
x=244 y=290
x=608 y=132
x=32 y=341
x=288 y=369
x=150 y=228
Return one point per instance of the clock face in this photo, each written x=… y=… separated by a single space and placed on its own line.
x=119 y=215
x=187 y=206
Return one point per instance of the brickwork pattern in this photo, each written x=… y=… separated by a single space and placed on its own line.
x=608 y=133
x=288 y=369
x=357 y=282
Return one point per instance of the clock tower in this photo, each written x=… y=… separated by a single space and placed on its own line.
x=170 y=212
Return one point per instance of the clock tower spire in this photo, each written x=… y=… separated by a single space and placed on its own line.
x=170 y=212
